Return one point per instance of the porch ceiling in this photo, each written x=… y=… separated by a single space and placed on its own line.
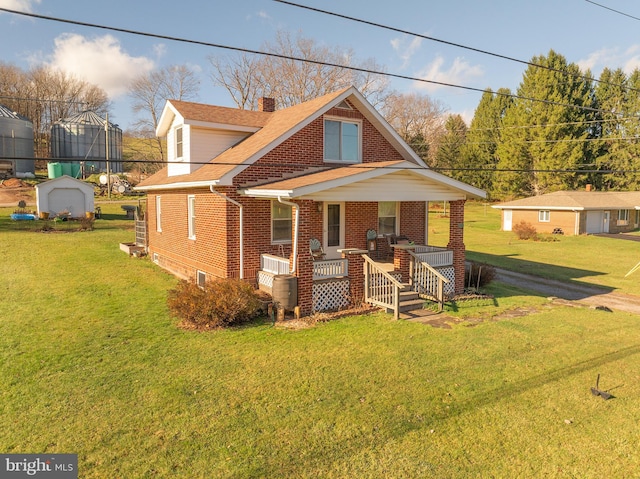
x=388 y=181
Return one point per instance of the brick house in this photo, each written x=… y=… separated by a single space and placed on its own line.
x=246 y=193
x=575 y=212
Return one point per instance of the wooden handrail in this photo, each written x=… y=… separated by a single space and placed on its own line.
x=378 y=269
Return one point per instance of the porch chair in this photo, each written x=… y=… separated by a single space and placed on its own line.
x=393 y=239
x=315 y=248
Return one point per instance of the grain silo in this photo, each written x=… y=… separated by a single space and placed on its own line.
x=82 y=140
x=16 y=144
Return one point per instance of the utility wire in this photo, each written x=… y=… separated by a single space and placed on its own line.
x=453 y=44
x=288 y=57
x=612 y=10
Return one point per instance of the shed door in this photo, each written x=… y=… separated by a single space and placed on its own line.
x=508 y=215
x=594 y=222
x=67 y=199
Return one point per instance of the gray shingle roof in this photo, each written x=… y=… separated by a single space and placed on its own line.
x=581 y=200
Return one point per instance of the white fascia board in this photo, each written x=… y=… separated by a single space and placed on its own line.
x=166 y=119
x=550 y=208
x=258 y=193
x=177 y=186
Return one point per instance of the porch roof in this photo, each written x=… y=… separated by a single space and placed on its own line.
x=382 y=181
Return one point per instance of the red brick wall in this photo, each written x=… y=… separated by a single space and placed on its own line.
x=456 y=242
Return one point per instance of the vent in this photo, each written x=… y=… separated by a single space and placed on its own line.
x=156 y=258
x=344 y=105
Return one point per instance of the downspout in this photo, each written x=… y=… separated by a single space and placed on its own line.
x=295 y=231
x=226 y=198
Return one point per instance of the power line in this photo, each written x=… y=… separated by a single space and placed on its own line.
x=287 y=57
x=453 y=44
x=612 y=10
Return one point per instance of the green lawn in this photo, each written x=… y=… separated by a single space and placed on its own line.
x=91 y=363
x=579 y=259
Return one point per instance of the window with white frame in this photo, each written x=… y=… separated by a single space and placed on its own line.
x=387 y=217
x=179 y=143
x=159 y=214
x=544 y=216
x=191 y=212
x=623 y=217
x=281 y=222
x=201 y=278
x=342 y=141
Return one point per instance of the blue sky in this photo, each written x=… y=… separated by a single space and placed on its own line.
x=584 y=33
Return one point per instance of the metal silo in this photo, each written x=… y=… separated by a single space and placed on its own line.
x=16 y=143
x=82 y=138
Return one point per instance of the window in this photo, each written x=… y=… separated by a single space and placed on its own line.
x=179 y=142
x=387 y=217
x=191 y=211
x=623 y=217
x=201 y=278
x=341 y=141
x=544 y=216
x=281 y=223
x=158 y=214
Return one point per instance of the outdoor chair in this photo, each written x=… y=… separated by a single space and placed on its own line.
x=315 y=248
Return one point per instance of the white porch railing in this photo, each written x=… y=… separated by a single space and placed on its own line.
x=380 y=288
x=274 y=264
x=330 y=268
x=426 y=280
x=434 y=256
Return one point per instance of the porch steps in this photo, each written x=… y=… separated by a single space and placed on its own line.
x=410 y=300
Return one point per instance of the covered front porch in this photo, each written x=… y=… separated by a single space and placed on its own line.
x=346 y=211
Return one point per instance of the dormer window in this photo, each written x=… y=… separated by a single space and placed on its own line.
x=342 y=141
x=178 y=142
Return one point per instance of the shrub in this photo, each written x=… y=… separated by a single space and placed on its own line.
x=479 y=275
x=525 y=231
x=221 y=303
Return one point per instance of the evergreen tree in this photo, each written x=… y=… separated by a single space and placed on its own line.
x=479 y=150
x=541 y=138
x=448 y=157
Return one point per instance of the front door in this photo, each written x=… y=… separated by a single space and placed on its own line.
x=605 y=226
x=333 y=229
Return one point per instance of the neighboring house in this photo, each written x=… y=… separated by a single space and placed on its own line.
x=65 y=195
x=245 y=193
x=575 y=212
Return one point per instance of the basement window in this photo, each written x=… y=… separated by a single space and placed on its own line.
x=201 y=278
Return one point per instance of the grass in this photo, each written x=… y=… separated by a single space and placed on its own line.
x=91 y=363
x=577 y=259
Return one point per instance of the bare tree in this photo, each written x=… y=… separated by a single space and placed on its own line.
x=290 y=81
x=151 y=91
x=419 y=120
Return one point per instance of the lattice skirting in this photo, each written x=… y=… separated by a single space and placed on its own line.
x=449 y=288
x=265 y=281
x=331 y=294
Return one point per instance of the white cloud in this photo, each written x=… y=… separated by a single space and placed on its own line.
x=612 y=58
x=460 y=72
x=21 y=5
x=406 y=49
x=100 y=61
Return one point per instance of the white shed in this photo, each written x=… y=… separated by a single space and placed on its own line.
x=64 y=194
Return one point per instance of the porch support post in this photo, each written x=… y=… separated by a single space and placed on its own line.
x=402 y=261
x=356 y=275
x=308 y=228
x=456 y=242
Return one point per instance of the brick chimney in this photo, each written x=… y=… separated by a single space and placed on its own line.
x=588 y=188
x=267 y=104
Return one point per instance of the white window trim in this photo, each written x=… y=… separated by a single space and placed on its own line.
x=397 y=228
x=201 y=275
x=542 y=214
x=181 y=143
x=274 y=241
x=159 y=214
x=623 y=217
x=342 y=120
x=191 y=216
